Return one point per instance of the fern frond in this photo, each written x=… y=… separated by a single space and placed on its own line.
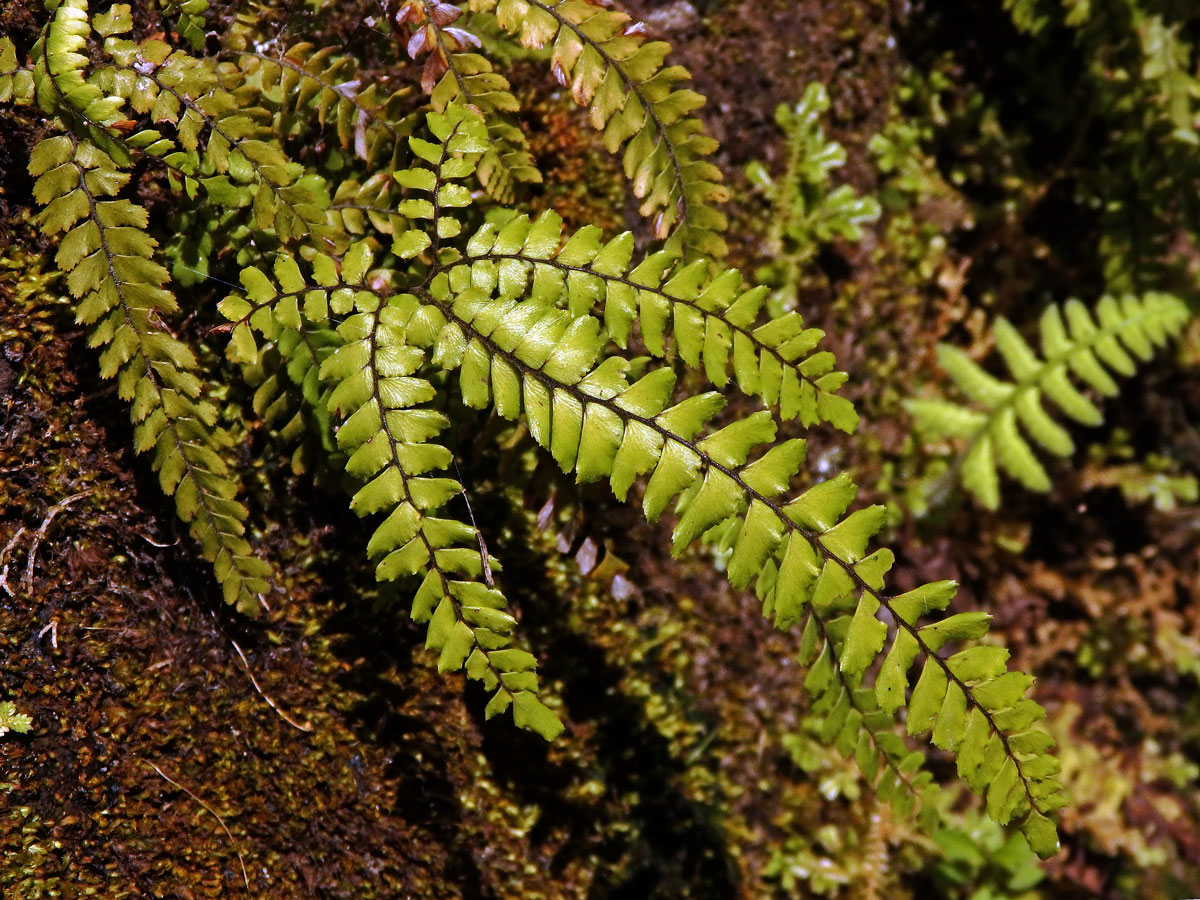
x=852 y=722
x=111 y=271
x=289 y=395
x=60 y=67
x=433 y=179
x=240 y=163
x=460 y=139
x=639 y=106
x=807 y=555
x=205 y=237
x=454 y=74
x=435 y=168
x=387 y=437
x=714 y=320
x=806 y=211
x=378 y=396
x=1006 y=416
x=471 y=80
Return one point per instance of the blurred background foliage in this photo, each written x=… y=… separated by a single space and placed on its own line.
x=903 y=174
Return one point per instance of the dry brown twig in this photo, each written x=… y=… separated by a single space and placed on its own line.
x=306 y=726
x=4 y=556
x=40 y=534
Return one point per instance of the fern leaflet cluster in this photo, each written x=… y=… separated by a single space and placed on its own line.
x=11 y=720
x=386 y=278
x=806 y=211
x=613 y=71
x=112 y=273
x=1075 y=342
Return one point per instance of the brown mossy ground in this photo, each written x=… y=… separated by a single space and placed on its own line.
x=150 y=738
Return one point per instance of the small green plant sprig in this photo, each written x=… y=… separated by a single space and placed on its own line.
x=402 y=276
x=11 y=720
x=807 y=211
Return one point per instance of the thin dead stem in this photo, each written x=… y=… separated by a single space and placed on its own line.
x=212 y=812
x=306 y=726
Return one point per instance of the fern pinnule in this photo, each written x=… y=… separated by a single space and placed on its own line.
x=1075 y=341
x=16 y=81
x=190 y=19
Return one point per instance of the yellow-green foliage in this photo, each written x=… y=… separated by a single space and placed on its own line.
x=388 y=281
x=11 y=720
x=1075 y=342
x=806 y=210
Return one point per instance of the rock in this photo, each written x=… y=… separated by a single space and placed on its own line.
x=677 y=16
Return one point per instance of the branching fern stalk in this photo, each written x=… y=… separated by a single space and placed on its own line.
x=1075 y=342
x=388 y=279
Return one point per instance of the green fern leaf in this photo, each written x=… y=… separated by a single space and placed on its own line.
x=471 y=80
x=812 y=559
x=1011 y=416
x=305 y=86
x=16 y=81
x=190 y=22
x=119 y=287
x=638 y=104
x=713 y=320
x=11 y=720
x=386 y=431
